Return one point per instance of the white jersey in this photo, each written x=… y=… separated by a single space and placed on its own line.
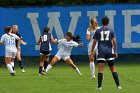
x=91 y=33
x=66 y=47
x=9 y=41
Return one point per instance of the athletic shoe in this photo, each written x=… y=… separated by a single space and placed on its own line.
x=12 y=74
x=93 y=77
x=119 y=87
x=14 y=71
x=22 y=70
x=100 y=88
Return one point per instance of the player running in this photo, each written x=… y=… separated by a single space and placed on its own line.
x=18 y=56
x=45 y=48
x=64 y=52
x=107 y=51
x=8 y=39
x=89 y=36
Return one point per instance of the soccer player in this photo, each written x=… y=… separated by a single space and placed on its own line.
x=64 y=51
x=89 y=36
x=45 y=48
x=8 y=39
x=18 y=56
x=107 y=51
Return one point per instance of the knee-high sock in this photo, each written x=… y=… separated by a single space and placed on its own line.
x=45 y=64
x=10 y=68
x=20 y=64
x=100 y=78
x=13 y=66
x=48 y=68
x=40 y=69
x=116 y=78
x=77 y=70
x=92 y=68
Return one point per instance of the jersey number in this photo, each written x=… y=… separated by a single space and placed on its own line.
x=11 y=41
x=105 y=35
x=44 y=38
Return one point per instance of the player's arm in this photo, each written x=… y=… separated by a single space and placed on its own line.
x=53 y=40
x=114 y=41
x=2 y=40
x=18 y=45
x=88 y=34
x=93 y=46
x=24 y=43
x=39 y=41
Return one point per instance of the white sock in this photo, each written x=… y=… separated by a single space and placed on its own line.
x=92 y=68
x=10 y=68
x=48 y=68
x=78 y=71
x=12 y=64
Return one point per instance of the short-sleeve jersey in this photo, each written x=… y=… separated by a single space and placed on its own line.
x=45 y=42
x=65 y=47
x=104 y=37
x=91 y=33
x=9 y=40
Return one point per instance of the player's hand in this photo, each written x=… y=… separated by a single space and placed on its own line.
x=81 y=44
x=18 y=48
x=115 y=55
x=24 y=43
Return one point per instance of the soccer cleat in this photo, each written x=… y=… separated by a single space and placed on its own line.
x=12 y=74
x=119 y=87
x=93 y=77
x=99 y=88
x=14 y=71
x=22 y=70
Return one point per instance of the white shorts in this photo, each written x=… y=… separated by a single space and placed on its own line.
x=60 y=55
x=10 y=53
x=90 y=47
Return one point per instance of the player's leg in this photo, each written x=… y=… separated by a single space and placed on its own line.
x=46 y=61
x=54 y=60
x=114 y=72
x=41 y=64
x=70 y=62
x=100 y=73
x=91 y=62
x=9 y=66
x=18 y=56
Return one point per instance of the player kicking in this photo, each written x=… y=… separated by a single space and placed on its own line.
x=89 y=36
x=107 y=51
x=64 y=52
x=18 y=56
x=45 y=48
x=8 y=39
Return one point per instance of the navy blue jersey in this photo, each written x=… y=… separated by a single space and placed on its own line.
x=45 y=42
x=19 y=37
x=104 y=37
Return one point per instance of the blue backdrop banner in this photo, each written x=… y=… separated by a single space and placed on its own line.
x=124 y=19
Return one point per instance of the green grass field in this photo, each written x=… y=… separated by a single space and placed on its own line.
x=62 y=79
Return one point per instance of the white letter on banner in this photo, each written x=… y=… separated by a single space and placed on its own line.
x=33 y=19
x=111 y=14
x=55 y=23
x=74 y=19
x=129 y=29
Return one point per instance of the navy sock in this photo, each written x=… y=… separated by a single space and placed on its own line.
x=20 y=64
x=100 y=78
x=40 y=69
x=45 y=64
x=116 y=78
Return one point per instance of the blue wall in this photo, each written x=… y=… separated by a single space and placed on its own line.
x=125 y=20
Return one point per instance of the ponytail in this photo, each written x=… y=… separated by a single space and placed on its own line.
x=76 y=38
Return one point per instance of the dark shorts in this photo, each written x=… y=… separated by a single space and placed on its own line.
x=105 y=57
x=47 y=53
